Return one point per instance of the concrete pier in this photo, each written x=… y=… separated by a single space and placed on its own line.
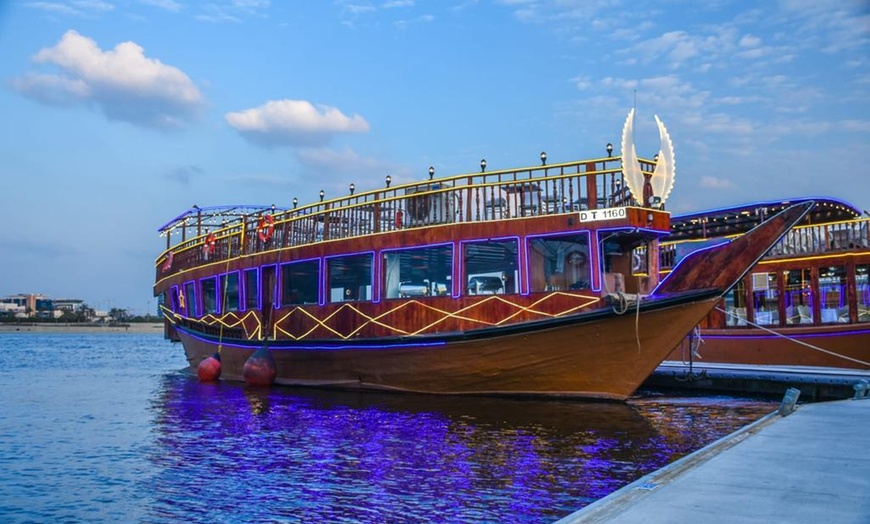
x=814 y=383
x=807 y=467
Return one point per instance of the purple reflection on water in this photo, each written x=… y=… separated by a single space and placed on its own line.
x=229 y=453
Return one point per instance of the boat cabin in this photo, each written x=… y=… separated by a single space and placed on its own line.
x=542 y=241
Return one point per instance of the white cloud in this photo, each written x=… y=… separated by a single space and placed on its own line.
x=93 y=5
x=123 y=83
x=168 y=5
x=233 y=10
x=52 y=7
x=294 y=123
x=716 y=183
x=336 y=169
x=397 y=3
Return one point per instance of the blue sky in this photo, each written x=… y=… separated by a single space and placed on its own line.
x=120 y=114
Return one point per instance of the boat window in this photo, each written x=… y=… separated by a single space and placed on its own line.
x=229 y=287
x=765 y=298
x=188 y=301
x=299 y=282
x=559 y=262
x=350 y=277
x=798 y=296
x=833 y=299
x=491 y=267
x=419 y=272
x=735 y=305
x=209 y=295
x=252 y=289
x=173 y=300
x=862 y=288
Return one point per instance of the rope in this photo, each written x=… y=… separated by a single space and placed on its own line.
x=796 y=340
x=224 y=304
x=637 y=317
x=695 y=342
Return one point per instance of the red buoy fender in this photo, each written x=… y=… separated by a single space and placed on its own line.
x=260 y=368
x=209 y=370
x=266 y=227
x=398 y=219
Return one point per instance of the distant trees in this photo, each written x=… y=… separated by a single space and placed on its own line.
x=117 y=314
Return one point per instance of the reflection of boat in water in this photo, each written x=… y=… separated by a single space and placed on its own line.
x=318 y=455
x=533 y=302
x=806 y=303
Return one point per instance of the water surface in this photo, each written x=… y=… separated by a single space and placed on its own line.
x=105 y=428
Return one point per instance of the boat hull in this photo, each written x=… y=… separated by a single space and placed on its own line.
x=838 y=346
x=600 y=355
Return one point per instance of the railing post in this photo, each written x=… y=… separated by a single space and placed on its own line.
x=591 y=187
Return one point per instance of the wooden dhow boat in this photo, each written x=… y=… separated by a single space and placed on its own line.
x=806 y=303
x=509 y=282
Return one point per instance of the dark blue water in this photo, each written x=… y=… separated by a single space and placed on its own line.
x=105 y=428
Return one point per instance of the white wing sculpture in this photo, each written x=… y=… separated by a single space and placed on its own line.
x=630 y=166
x=662 y=180
x=663 y=175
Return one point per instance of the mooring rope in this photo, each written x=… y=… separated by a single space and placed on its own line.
x=863 y=363
x=224 y=302
x=695 y=342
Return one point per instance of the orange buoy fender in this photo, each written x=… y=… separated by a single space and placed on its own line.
x=260 y=368
x=209 y=370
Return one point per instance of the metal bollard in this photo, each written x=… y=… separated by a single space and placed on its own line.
x=789 y=400
x=862 y=389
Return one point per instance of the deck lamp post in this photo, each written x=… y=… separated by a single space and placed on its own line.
x=609 y=150
x=543 y=158
x=322 y=194
x=483 y=165
x=431 y=172
x=273 y=209
x=295 y=202
x=352 y=188
x=388 y=180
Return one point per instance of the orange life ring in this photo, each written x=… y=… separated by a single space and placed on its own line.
x=265 y=228
x=168 y=264
x=577 y=258
x=209 y=246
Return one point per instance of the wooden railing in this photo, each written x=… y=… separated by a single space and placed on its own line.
x=833 y=238
x=476 y=197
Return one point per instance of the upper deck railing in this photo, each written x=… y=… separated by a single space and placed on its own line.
x=475 y=197
x=811 y=240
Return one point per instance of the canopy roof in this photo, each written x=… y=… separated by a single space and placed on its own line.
x=215 y=217
x=740 y=219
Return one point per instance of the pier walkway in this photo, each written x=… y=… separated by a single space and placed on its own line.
x=807 y=467
x=814 y=383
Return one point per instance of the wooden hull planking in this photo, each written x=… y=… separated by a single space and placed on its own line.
x=839 y=346
x=598 y=358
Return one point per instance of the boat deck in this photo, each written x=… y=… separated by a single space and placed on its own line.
x=816 y=383
x=810 y=466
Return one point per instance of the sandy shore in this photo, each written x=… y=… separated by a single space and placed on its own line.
x=138 y=327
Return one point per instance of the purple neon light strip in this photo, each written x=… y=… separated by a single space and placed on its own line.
x=529 y=238
x=762 y=203
x=371 y=276
x=706 y=334
x=460 y=284
x=378 y=347
x=681 y=263
x=279 y=302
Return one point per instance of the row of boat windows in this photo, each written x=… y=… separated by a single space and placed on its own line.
x=792 y=292
x=485 y=268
